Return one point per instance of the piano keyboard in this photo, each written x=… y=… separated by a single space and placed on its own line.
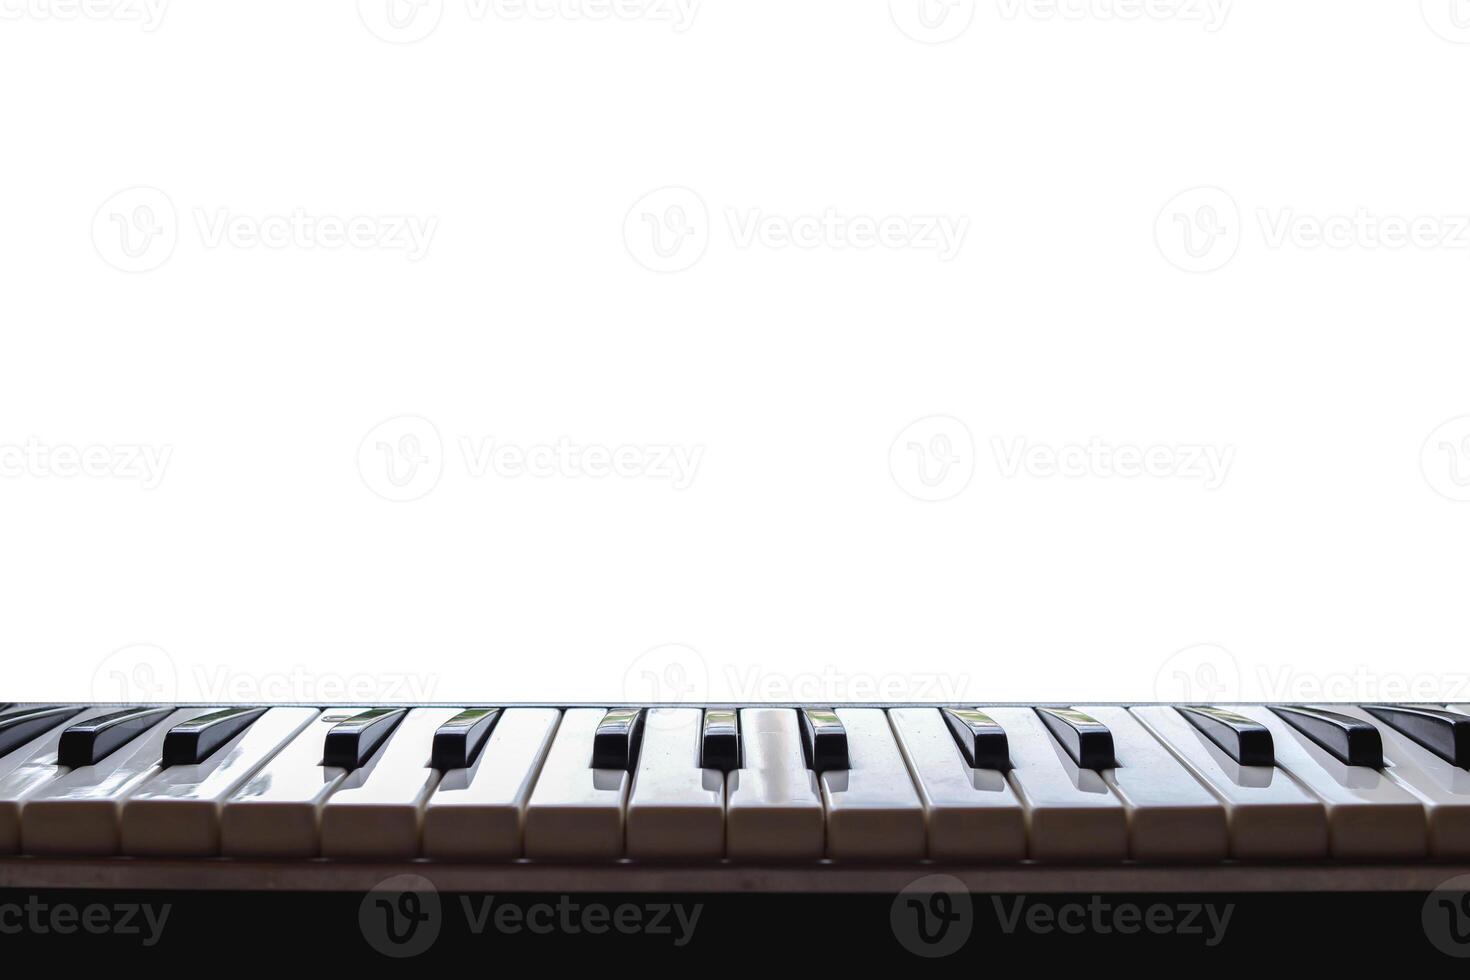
x=736 y=786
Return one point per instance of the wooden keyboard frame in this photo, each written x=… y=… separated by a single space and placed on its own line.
x=318 y=874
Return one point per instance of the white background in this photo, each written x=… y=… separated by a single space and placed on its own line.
x=1191 y=230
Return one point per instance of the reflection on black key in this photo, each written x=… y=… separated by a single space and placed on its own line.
x=458 y=741
x=981 y=739
x=351 y=742
x=1445 y=733
x=1352 y=741
x=89 y=742
x=615 y=743
x=1245 y=740
x=1086 y=739
x=719 y=745
x=191 y=742
x=823 y=740
x=19 y=727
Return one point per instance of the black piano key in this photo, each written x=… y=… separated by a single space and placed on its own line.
x=1353 y=742
x=981 y=739
x=616 y=741
x=1245 y=740
x=823 y=740
x=1086 y=739
x=89 y=742
x=351 y=742
x=20 y=726
x=719 y=745
x=458 y=741
x=1445 y=733
x=191 y=742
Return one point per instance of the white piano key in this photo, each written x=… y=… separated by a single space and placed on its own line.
x=79 y=812
x=576 y=811
x=675 y=808
x=873 y=810
x=1171 y=816
x=1270 y=816
x=1071 y=814
x=26 y=769
x=1368 y=814
x=1443 y=788
x=972 y=814
x=477 y=813
x=177 y=811
x=277 y=813
x=378 y=810
x=774 y=804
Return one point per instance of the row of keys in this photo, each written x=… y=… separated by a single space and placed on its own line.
x=1157 y=783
